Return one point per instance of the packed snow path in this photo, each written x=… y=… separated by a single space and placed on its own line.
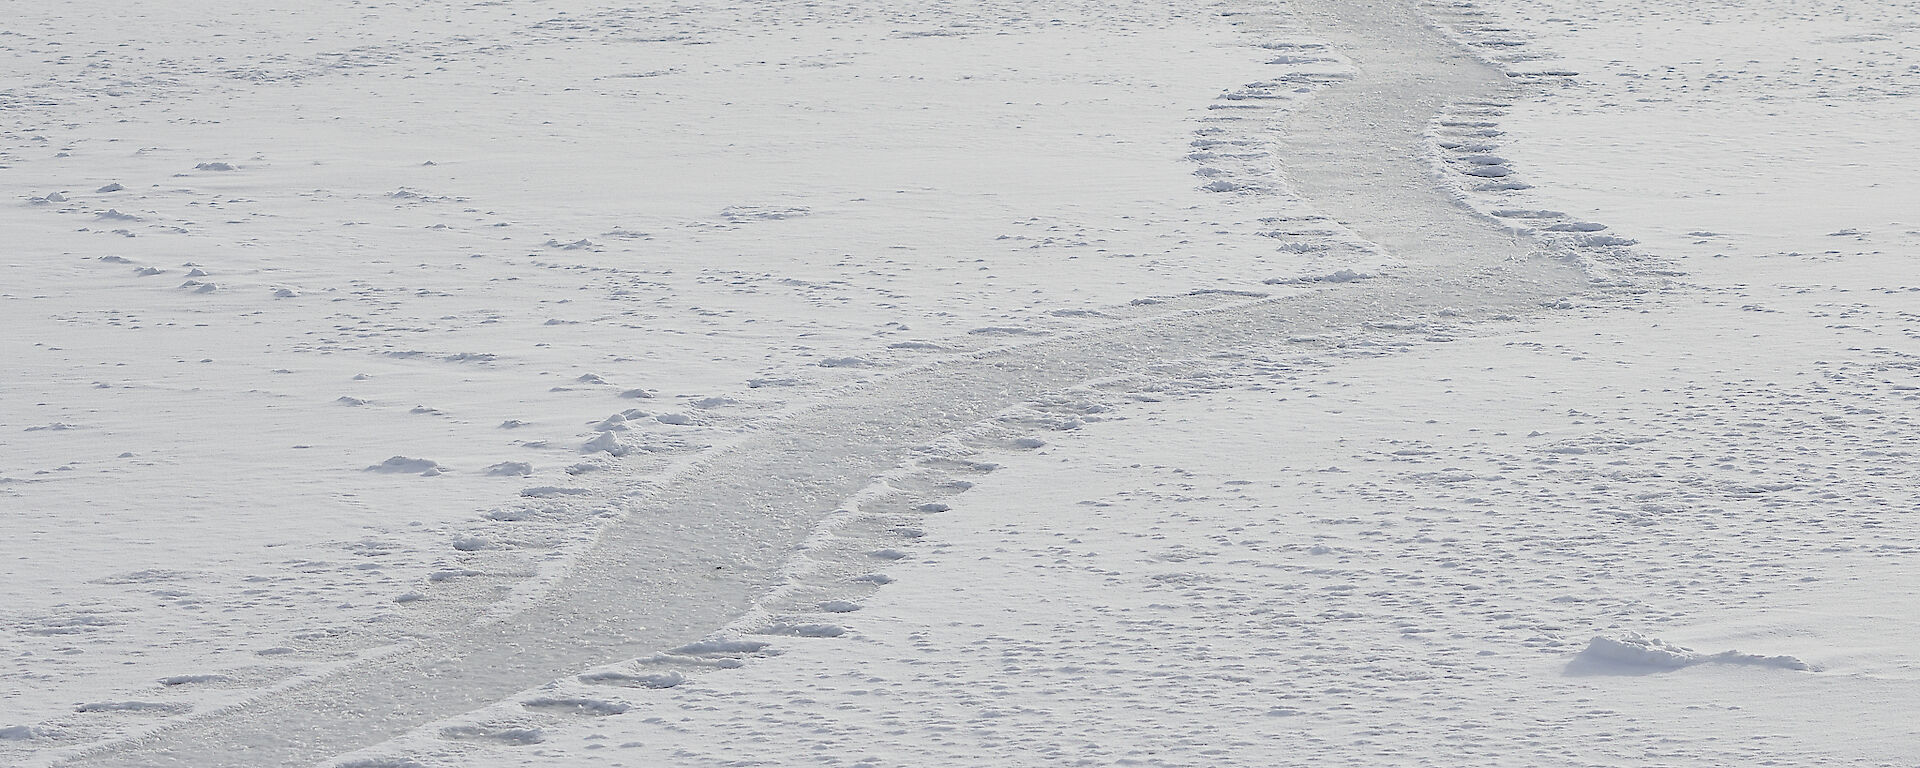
x=1358 y=153
x=693 y=556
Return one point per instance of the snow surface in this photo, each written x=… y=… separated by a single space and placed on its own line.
x=1523 y=382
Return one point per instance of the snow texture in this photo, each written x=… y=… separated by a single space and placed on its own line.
x=1479 y=382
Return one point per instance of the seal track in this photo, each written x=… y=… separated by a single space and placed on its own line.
x=691 y=557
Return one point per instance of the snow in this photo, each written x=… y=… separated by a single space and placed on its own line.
x=1515 y=382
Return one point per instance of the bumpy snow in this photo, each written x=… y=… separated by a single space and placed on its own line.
x=1506 y=382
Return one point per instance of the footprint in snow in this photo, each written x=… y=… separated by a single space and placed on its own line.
x=919 y=346
x=1005 y=330
x=547 y=492
x=380 y=762
x=135 y=707
x=644 y=680
x=573 y=706
x=505 y=735
x=1511 y=213
x=804 y=630
x=178 y=680
x=722 y=647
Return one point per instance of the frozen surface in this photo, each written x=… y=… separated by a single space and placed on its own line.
x=1447 y=565
x=1329 y=381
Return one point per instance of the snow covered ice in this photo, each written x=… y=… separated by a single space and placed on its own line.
x=1355 y=382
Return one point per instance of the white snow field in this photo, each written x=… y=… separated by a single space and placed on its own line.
x=1318 y=382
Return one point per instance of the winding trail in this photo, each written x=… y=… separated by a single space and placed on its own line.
x=1356 y=150
x=691 y=558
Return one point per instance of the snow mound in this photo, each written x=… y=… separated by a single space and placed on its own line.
x=1631 y=653
x=741 y=213
x=1337 y=276
x=608 y=442
x=403 y=464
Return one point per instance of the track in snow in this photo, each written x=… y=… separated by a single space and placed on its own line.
x=1356 y=151
x=692 y=557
